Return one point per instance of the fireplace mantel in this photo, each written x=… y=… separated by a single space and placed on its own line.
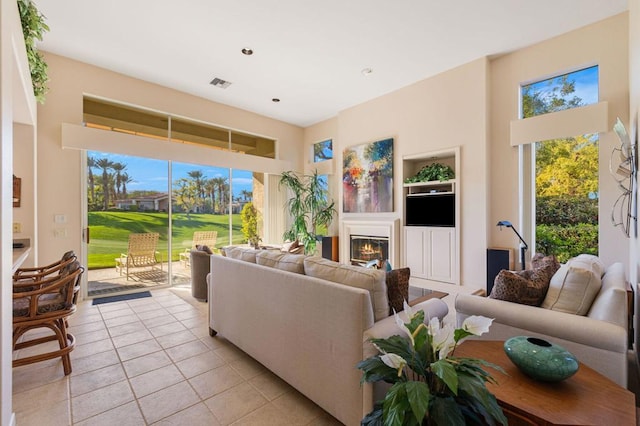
x=379 y=228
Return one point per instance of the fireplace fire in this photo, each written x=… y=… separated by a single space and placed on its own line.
x=366 y=248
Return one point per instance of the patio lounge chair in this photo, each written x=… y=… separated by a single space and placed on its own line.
x=200 y=238
x=141 y=252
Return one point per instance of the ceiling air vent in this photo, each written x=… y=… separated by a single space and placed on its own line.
x=218 y=82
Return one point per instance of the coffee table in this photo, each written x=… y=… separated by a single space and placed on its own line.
x=586 y=398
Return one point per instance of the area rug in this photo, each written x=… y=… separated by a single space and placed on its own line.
x=121 y=297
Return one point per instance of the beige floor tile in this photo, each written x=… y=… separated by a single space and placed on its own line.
x=123 y=311
x=175 y=339
x=133 y=351
x=83 y=350
x=199 y=364
x=157 y=311
x=187 y=314
x=247 y=367
x=270 y=385
x=215 y=381
x=197 y=415
x=57 y=415
x=114 y=322
x=85 y=328
x=155 y=380
x=131 y=338
x=214 y=343
x=27 y=377
x=300 y=408
x=100 y=400
x=90 y=336
x=183 y=307
x=144 y=306
x=197 y=322
x=143 y=364
x=169 y=328
x=113 y=306
x=229 y=353
x=93 y=362
x=325 y=419
x=235 y=403
x=267 y=415
x=38 y=349
x=87 y=382
x=125 y=415
x=166 y=318
x=131 y=327
x=168 y=401
x=77 y=318
x=169 y=301
x=186 y=350
x=42 y=396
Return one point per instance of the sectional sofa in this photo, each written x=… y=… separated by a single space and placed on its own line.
x=306 y=319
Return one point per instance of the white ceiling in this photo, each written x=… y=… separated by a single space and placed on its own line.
x=307 y=53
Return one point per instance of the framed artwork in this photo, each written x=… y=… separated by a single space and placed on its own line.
x=367 y=177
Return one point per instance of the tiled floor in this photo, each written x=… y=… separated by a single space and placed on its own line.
x=151 y=361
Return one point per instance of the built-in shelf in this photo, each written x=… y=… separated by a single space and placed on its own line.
x=434 y=187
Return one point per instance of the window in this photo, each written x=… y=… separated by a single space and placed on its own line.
x=323 y=151
x=564 y=172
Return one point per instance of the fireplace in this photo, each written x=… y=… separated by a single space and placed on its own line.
x=364 y=248
x=387 y=230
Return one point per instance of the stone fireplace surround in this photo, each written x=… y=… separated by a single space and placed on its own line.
x=389 y=228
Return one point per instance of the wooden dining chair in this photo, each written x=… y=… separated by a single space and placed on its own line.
x=40 y=272
x=46 y=303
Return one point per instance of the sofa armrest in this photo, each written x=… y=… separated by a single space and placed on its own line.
x=387 y=327
x=574 y=328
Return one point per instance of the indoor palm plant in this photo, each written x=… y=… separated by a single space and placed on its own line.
x=309 y=206
x=33 y=28
x=431 y=386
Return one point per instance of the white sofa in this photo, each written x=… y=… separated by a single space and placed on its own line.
x=309 y=331
x=599 y=339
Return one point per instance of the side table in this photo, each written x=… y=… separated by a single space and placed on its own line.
x=586 y=398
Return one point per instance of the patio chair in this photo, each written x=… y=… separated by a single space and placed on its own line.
x=200 y=238
x=46 y=303
x=141 y=252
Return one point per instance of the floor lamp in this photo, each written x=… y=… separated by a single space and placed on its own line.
x=523 y=244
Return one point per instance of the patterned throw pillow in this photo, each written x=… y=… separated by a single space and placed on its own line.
x=527 y=287
x=398 y=288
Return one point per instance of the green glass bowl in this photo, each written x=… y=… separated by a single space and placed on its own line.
x=540 y=359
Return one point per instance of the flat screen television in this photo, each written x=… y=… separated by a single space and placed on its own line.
x=430 y=210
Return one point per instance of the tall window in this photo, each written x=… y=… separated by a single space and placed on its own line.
x=565 y=171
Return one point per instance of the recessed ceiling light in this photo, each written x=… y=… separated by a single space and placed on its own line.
x=366 y=71
x=276 y=100
x=247 y=51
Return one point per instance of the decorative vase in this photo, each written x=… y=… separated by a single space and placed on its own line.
x=541 y=360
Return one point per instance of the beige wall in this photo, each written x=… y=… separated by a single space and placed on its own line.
x=59 y=180
x=605 y=44
x=442 y=112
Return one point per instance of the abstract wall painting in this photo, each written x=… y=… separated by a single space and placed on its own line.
x=367 y=178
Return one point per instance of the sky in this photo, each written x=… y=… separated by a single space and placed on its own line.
x=586 y=85
x=152 y=175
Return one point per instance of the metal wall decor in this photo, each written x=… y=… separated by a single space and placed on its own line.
x=623 y=167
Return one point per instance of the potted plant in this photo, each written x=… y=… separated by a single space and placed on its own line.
x=309 y=207
x=33 y=28
x=249 y=217
x=432 y=172
x=431 y=386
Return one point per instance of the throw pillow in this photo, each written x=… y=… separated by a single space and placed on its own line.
x=283 y=261
x=369 y=279
x=539 y=260
x=397 y=288
x=508 y=286
x=205 y=249
x=527 y=287
x=573 y=288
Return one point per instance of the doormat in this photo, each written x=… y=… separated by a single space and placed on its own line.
x=121 y=297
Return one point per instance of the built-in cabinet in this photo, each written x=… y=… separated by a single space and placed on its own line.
x=431 y=222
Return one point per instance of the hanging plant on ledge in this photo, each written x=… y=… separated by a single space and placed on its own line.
x=431 y=172
x=33 y=28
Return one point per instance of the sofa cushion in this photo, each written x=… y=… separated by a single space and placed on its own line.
x=284 y=261
x=611 y=302
x=397 y=288
x=589 y=261
x=373 y=280
x=241 y=253
x=574 y=287
x=508 y=286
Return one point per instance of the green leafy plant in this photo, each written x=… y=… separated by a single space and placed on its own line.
x=249 y=216
x=431 y=172
x=309 y=207
x=33 y=28
x=430 y=386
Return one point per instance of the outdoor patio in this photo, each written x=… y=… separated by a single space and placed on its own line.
x=109 y=281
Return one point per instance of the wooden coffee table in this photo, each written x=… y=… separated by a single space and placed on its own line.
x=586 y=398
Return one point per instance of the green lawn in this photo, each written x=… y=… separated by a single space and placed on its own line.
x=110 y=232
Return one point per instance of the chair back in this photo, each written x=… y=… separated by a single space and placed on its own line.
x=142 y=248
x=205 y=238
